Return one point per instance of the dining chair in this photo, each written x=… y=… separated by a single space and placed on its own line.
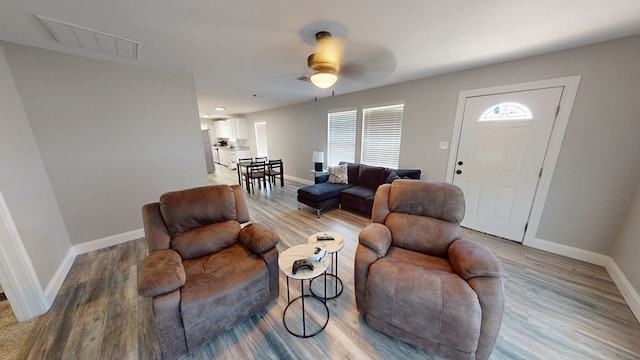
x=262 y=159
x=243 y=173
x=274 y=169
x=257 y=171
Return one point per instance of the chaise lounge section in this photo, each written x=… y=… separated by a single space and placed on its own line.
x=359 y=191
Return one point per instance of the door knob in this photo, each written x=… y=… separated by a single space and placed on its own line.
x=458 y=172
x=460 y=163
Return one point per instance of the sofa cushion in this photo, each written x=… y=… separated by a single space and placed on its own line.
x=422 y=234
x=207 y=239
x=188 y=209
x=371 y=176
x=395 y=290
x=338 y=174
x=322 y=191
x=392 y=176
x=221 y=285
x=437 y=200
x=353 y=169
x=408 y=174
x=358 y=198
x=428 y=262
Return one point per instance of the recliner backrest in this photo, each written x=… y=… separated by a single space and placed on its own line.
x=423 y=216
x=203 y=220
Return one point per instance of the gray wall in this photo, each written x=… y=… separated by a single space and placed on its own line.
x=112 y=137
x=599 y=164
x=25 y=185
x=627 y=246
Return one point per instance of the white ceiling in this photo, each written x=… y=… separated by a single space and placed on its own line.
x=235 y=49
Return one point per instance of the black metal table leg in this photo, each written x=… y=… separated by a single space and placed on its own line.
x=301 y=298
x=334 y=275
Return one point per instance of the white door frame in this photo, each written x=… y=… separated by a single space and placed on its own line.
x=17 y=275
x=570 y=85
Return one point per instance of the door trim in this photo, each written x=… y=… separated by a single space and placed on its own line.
x=569 y=92
x=18 y=277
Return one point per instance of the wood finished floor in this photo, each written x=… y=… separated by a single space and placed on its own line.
x=556 y=307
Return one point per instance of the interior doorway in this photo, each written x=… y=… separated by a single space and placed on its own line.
x=7 y=317
x=18 y=278
x=503 y=137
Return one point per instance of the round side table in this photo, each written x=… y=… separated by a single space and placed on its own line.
x=332 y=247
x=285 y=262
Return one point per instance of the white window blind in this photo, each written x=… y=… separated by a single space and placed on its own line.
x=261 y=139
x=381 y=135
x=341 y=137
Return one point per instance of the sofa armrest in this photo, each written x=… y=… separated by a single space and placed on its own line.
x=160 y=272
x=376 y=237
x=470 y=259
x=374 y=241
x=258 y=238
x=155 y=230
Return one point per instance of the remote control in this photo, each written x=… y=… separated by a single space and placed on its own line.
x=325 y=238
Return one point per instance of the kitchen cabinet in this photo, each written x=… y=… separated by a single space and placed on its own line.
x=229 y=157
x=225 y=157
x=238 y=128
x=221 y=128
x=240 y=154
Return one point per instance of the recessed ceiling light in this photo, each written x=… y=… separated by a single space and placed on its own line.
x=219 y=108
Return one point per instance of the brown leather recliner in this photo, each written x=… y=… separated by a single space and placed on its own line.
x=204 y=271
x=416 y=278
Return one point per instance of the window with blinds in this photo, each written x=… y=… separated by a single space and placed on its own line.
x=381 y=135
x=261 y=139
x=341 y=142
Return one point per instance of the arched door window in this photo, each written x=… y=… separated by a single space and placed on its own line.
x=507 y=111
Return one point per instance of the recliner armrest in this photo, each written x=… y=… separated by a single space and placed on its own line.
x=161 y=272
x=376 y=237
x=258 y=238
x=470 y=259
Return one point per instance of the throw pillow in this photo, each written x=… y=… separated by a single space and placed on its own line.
x=391 y=177
x=338 y=174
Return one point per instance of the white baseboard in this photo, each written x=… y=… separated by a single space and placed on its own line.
x=569 y=251
x=105 y=242
x=626 y=289
x=622 y=283
x=300 y=180
x=55 y=284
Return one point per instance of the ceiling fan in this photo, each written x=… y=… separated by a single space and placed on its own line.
x=338 y=56
x=326 y=61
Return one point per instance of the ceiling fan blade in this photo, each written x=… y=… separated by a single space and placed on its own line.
x=368 y=62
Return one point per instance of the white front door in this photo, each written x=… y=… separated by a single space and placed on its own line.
x=502 y=146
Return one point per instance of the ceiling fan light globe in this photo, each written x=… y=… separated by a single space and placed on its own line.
x=323 y=80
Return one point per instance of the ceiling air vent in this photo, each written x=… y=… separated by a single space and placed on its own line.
x=75 y=35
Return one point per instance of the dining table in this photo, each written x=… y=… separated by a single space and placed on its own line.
x=246 y=165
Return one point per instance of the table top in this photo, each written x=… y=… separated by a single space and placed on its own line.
x=287 y=257
x=330 y=245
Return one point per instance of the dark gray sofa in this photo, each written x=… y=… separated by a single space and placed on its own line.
x=358 y=194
